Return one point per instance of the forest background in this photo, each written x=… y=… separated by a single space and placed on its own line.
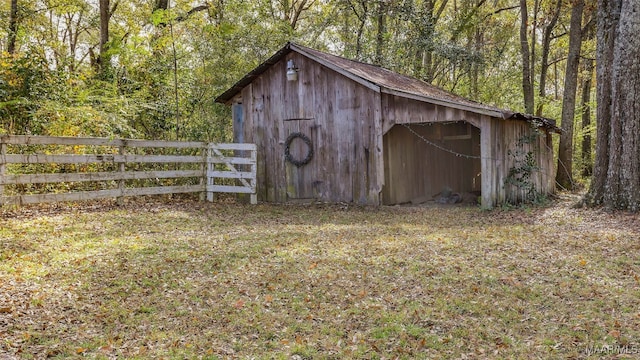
x=152 y=69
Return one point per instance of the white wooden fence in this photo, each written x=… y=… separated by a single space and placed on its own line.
x=245 y=156
x=210 y=165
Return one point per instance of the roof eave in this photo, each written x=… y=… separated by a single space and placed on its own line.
x=500 y=114
x=442 y=102
x=539 y=121
x=226 y=97
x=364 y=82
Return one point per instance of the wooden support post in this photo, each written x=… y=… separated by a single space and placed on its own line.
x=121 y=169
x=3 y=152
x=487 y=164
x=254 y=167
x=209 y=167
x=203 y=168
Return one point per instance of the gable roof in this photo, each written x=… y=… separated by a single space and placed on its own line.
x=386 y=81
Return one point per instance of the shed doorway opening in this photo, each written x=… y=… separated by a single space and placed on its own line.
x=437 y=162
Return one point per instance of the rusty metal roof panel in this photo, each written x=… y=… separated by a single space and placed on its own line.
x=391 y=80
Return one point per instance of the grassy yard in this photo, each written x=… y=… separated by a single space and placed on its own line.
x=225 y=280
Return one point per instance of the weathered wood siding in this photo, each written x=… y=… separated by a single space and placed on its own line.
x=362 y=153
x=511 y=142
x=416 y=170
x=341 y=117
x=505 y=144
x=402 y=110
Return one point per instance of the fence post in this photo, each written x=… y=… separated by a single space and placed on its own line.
x=209 y=167
x=254 y=167
x=3 y=152
x=203 y=168
x=121 y=168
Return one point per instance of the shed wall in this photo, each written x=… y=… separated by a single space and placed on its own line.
x=505 y=145
x=402 y=110
x=340 y=116
x=524 y=139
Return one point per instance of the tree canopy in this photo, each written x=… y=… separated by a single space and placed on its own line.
x=152 y=68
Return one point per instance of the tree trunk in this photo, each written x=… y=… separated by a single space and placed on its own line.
x=359 y=40
x=608 y=19
x=622 y=189
x=13 y=27
x=381 y=30
x=362 y=21
x=161 y=5
x=296 y=12
x=425 y=61
x=103 y=58
x=616 y=181
x=533 y=42
x=475 y=66
x=587 y=169
x=527 y=83
x=564 y=176
x=544 y=62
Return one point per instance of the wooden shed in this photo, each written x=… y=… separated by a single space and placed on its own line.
x=332 y=129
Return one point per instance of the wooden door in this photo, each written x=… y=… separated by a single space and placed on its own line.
x=300 y=160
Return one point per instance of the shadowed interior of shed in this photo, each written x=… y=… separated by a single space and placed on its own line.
x=424 y=160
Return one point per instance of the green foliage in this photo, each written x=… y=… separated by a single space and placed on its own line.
x=525 y=166
x=23 y=79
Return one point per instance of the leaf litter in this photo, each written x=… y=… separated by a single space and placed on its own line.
x=183 y=279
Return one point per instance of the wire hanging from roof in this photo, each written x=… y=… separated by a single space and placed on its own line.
x=440 y=146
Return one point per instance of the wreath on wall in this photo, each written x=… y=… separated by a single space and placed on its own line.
x=287 y=149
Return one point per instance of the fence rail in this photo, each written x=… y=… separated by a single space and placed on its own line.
x=229 y=168
x=241 y=166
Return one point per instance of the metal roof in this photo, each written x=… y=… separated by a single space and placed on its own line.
x=386 y=81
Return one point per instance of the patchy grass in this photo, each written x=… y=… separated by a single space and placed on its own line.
x=210 y=281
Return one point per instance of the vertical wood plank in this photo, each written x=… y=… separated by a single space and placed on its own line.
x=308 y=99
x=276 y=114
x=499 y=139
x=322 y=107
x=203 y=167
x=237 y=118
x=210 y=168
x=253 y=130
x=377 y=154
x=254 y=166
x=550 y=169
x=487 y=163
x=121 y=168
x=3 y=152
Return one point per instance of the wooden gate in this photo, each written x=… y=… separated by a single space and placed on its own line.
x=232 y=161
